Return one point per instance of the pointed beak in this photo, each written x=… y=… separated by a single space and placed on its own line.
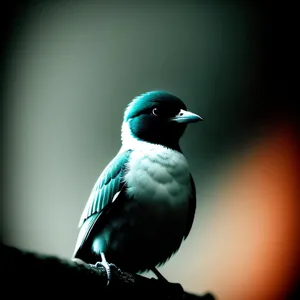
x=186 y=117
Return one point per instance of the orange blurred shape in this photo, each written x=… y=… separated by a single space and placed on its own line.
x=252 y=251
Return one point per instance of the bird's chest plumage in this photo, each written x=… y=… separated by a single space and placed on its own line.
x=158 y=177
x=159 y=187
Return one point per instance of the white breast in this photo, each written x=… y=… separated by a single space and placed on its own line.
x=158 y=176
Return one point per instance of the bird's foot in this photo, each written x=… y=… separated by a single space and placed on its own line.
x=108 y=268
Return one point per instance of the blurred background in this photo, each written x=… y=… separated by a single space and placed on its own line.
x=68 y=70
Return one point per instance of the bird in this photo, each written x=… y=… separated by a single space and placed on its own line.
x=142 y=206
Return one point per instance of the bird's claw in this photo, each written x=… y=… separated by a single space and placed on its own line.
x=108 y=267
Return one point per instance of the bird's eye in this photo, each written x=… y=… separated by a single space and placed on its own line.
x=155 y=111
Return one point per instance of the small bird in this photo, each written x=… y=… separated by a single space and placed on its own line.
x=143 y=204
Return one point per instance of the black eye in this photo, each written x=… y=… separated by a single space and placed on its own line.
x=155 y=112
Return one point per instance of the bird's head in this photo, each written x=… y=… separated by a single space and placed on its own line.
x=157 y=117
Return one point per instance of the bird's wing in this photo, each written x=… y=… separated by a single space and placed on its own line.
x=104 y=193
x=192 y=208
x=106 y=187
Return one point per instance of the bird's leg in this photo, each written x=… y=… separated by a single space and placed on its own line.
x=106 y=265
x=159 y=275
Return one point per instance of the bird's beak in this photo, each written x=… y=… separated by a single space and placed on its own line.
x=186 y=117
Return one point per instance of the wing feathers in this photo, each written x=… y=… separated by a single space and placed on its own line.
x=107 y=185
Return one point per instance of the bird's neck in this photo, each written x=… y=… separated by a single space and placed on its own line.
x=129 y=141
